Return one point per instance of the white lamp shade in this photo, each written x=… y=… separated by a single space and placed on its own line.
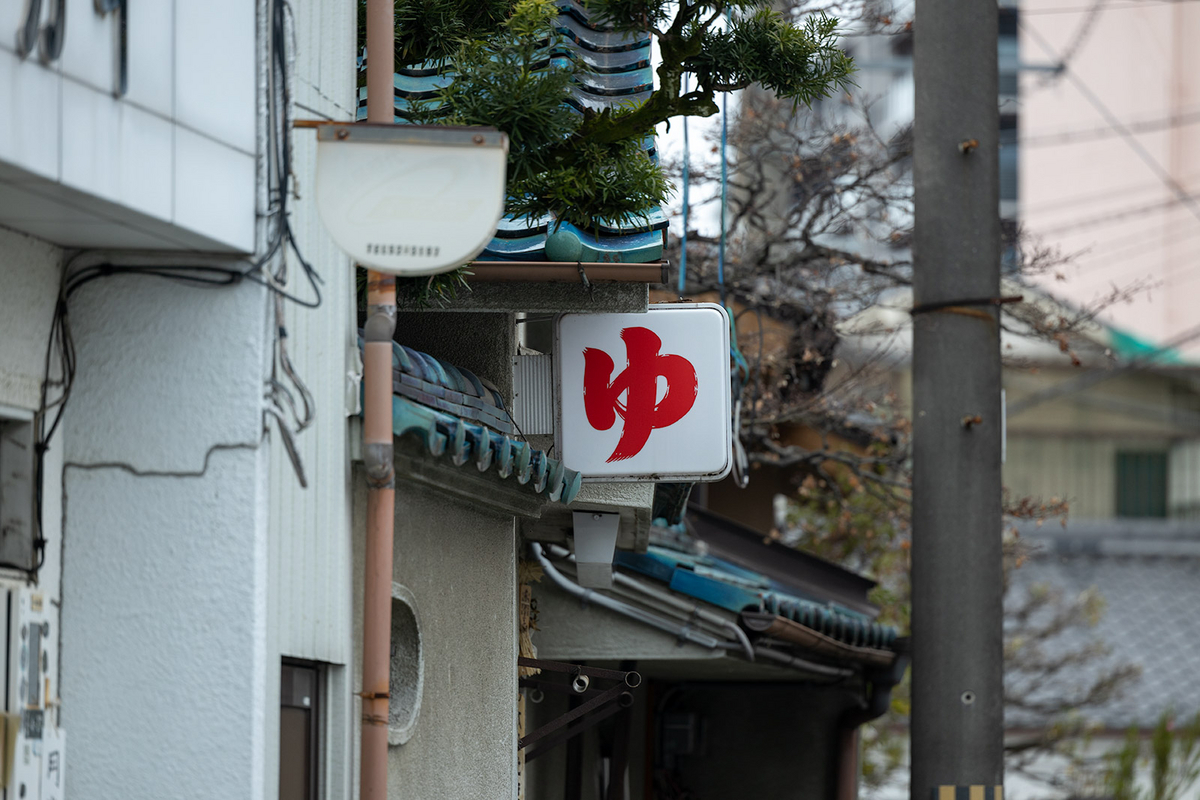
x=408 y=199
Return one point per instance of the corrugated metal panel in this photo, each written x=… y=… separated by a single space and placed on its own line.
x=533 y=394
x=1081 y=470
x=1183 y=490
x=309 y=546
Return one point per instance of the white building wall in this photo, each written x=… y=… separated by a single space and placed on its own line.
x=171 y=165
x=164 y=559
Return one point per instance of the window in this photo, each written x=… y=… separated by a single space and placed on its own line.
x=1142 y=484
x=1009 y=157
x=299 y=739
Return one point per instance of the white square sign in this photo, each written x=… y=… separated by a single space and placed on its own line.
x=645 y=396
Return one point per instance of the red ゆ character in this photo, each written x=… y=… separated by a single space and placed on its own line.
x=640 y=411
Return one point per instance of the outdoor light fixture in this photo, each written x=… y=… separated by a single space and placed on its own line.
x=410 y=199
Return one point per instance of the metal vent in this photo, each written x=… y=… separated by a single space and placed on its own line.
x=16 y=493
x=533 y=394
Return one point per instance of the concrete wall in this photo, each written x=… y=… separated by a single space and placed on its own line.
x=459 y=562
x=164 y=558
x=483 y=342
x=29 y=275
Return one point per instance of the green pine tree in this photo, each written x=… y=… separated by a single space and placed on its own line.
x=591 y=168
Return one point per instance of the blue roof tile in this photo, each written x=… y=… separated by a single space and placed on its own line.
x=616 y=70
x=737 y=589
x=457 y=415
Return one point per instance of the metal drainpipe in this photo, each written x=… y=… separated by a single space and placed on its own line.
x=377 y=447
x=882 y=680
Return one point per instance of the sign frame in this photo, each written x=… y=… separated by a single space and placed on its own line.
x=634 y=477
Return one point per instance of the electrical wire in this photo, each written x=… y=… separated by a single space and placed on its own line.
x=1033 y=12
x=60 y=372
x=739 y=370
x=1181 y=195
x=1076 y=42
x=1103 y=131
x=724 y=189
x=1119 y=215
x=687 y=202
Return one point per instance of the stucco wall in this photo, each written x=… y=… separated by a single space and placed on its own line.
x=164 y=554
x=459 y=562
x=29 y=275
x=483 y=343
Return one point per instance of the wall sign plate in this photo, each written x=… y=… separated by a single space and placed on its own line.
x=645 y=396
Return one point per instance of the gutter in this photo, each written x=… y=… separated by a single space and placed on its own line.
x=680 y=631
x=569 y=272
x=591 y=596
x=667 y=598
x=879 y=699
x=378 y=451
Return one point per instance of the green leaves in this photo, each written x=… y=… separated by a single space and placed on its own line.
x=798 y=64
x=1173 y=760
x=511 y=72
x=603 y=183
x=519 y=81
x=433 y=30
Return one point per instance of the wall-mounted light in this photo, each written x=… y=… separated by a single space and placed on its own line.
x=410 y=199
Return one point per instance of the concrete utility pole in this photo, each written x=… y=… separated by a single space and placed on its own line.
x=957 y=705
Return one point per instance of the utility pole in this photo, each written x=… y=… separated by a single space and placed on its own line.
x=957 y=636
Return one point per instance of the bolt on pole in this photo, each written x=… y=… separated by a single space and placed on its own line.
x=957 y=636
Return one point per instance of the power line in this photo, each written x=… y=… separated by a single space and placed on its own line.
x=1118 y=216
x=1082 y=9
x=1081 y=33
x=1103 y=132
x=1121 y=256
x=1090 y=198
x=1180 y=193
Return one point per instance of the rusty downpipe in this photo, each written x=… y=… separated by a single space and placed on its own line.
x=377 y=447
x=881 y=681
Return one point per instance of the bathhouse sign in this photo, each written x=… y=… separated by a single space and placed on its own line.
x=645 y=396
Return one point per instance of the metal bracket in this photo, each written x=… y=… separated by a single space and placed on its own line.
x=582 y=682
x=595 y=545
